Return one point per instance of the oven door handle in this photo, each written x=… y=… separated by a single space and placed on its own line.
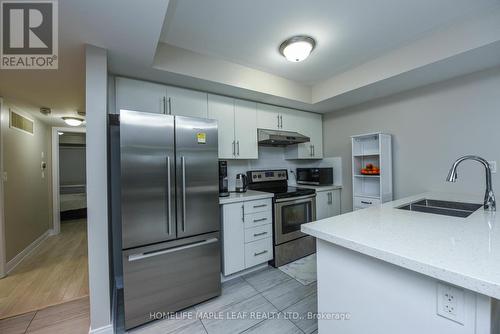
x=292 y=199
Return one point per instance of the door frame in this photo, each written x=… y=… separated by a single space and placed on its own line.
x=56 y=196
x=3 y=259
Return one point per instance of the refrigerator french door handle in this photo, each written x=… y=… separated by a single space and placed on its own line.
x=169 y=197
x=141 y=256
x=183 y=166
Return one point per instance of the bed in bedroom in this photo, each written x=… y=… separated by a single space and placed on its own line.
x=73 y=202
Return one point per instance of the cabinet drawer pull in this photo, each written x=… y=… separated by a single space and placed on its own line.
x=259 y=253
x=365 y=202
x=259 y=206
x=259 y=234
x=259 y=220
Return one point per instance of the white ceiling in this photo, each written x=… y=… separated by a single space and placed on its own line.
x=347 y=32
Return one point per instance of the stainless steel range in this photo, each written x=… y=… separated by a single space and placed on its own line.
x=292 y=207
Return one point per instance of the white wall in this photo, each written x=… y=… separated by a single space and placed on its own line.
x=431 y=127
x=27 y=192
x=97 y=188
x=274 y=158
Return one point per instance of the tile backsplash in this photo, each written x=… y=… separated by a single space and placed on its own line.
x=274 y=158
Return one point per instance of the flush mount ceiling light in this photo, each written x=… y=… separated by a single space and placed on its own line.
x=73 y=121
x=297 y=48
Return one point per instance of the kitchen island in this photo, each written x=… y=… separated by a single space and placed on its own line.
x=397 y=271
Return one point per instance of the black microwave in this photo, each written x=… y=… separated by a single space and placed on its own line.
x=315 y=176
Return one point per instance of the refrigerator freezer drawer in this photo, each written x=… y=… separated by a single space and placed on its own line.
x=169 y=277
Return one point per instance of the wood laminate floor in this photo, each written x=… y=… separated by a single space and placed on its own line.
x=55 y=272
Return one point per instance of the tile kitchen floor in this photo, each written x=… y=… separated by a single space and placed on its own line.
x=279 y=303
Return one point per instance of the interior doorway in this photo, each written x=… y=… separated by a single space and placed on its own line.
x=50 y=267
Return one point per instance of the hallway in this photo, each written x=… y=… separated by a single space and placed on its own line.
x=54 y=273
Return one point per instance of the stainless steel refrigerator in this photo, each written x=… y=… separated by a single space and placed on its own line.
x=170 y=213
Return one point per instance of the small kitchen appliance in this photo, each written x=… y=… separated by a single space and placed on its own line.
x=315 y=176
x=223 y=187
x=241 y=183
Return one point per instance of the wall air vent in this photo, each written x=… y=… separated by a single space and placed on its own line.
x=21 y=123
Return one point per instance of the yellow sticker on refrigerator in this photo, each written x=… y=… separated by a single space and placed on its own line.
x=201 y=137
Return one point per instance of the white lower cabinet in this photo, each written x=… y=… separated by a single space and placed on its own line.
x=247 y=235
x=327 y=203
x=258 y=252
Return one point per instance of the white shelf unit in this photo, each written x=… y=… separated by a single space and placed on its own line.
x=370 y=190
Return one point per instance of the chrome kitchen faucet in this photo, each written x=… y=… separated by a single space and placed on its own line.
x=490 y=203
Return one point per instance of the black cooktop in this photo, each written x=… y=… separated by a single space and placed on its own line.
x=275 y=181
x=287 y=191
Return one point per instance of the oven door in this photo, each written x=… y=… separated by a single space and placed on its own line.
x=289 y=214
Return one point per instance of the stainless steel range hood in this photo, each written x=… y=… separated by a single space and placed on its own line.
x=280 y=138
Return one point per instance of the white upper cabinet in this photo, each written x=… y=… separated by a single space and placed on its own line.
x=156 y=98
x=310 y=125
x=140 y=96
x=221 y=108
x=185 y=102
x=268 y=117
x=237 y=121
x=245 y=129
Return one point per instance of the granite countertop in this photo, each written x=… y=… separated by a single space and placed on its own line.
x=249 y=195
x=461 y=251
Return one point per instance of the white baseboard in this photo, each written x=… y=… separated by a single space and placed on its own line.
x=102 y=330
x=25 y=252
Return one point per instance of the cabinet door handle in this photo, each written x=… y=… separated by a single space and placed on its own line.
x=281 y=118
x=170 y=106
x=234 y=148
x=314 y=151
x=164 y=99
x=243 y=213
x=330 y=198
x=259 y=253
x=259 y=234
x=259 y=220
x=365 y=202
x=278 y=116
x=259 y=206
x=238 y=145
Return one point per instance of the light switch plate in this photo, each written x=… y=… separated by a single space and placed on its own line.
x=493 y=166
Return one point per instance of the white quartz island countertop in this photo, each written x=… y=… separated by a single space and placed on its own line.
x=461 y=251
x=249 y=195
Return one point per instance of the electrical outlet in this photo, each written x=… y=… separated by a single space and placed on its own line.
x=450 y=302
x=493 y=166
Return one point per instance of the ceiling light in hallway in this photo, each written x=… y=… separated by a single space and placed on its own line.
x=297 y=48
x=73 y=121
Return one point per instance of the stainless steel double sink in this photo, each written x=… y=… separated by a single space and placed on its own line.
x=446 y=208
